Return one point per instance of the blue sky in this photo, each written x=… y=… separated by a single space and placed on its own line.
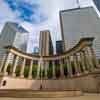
x=37 y=15
x=28 y=12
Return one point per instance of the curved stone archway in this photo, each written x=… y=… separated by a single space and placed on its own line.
x=74 y=64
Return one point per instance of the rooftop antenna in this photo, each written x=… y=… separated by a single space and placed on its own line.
x=78 y=3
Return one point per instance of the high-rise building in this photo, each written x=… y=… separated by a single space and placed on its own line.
x=45 y=43
x=97 y=3
x=14 y=35
x=59 y=47
x=78 y=23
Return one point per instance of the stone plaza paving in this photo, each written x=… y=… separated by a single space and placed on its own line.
x=85 y=97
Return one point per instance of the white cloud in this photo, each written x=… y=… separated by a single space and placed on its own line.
x=6 y=14
x=49 y=8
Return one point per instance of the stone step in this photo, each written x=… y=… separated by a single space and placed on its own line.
x=39 y=94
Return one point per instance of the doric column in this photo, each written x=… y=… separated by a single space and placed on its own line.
x=2 y=62
x=82 y=57
x=46 y=64
x=87 y=66
x=89 y=60
x=53 y=69
x=77 y=69
x=40 y=63
x=69 y=67
x=78 y=64
x=38 y=71
x=14 y=66
x=22 y=68
x=30 y=70
x=6 y=64
x=61 y=68
x=95 y=61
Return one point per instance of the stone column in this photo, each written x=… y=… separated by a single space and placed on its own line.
x=89 y=60
x=69 y=68
x=61 y=68
x=39 y=67
x=6 y=64
x=86 y=61
x=77 y=70
x=78 y=64
x=30 y=70
x=14 y=66
x=94 y=57
x=46 y=69
x=82 y=57
x=22 y=68
x=53 y=69
x=2 y=62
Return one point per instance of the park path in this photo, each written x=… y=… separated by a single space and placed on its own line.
x=85 y=97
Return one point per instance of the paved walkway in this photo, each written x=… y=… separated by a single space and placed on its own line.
x=85 y=97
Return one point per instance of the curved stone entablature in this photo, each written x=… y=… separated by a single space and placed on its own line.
x=84 y=42
x=75 y=68
x=80 y=59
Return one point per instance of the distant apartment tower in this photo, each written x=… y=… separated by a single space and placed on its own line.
x=14 y=35
x=45 y=43
x=59 y=47
x=80 y=22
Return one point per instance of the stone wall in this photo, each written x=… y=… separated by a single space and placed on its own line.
x=87 y=83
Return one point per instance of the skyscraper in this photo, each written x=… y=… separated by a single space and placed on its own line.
x=45 y=43
x=14 y=35
x=78 y=23
x=59 y=47
x=97 y=3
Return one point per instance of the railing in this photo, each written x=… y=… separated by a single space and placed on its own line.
x=79 y=60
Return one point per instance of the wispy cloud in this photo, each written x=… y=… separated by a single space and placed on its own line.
x=27 y=11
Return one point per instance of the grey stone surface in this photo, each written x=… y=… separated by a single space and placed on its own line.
x=85 y=97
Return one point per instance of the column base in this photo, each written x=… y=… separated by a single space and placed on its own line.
x=86 y=72
x=70 y=75
x=37 y=77
x=14 y=75
x=62 y=77
x=54 y=78
x=46 y=77
x=29 y=77
x=5 y=73
x=21 y=76
x=78 y=74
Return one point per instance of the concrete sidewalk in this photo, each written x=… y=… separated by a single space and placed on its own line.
x=85 y=97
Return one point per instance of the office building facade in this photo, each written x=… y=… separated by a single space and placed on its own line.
x=14 y=35
x=45 y=43
x=78 y=23
x=59 y=47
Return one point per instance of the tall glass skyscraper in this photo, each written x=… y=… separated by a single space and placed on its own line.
x=97 y=3
x=80 y=22
x=13 y=35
